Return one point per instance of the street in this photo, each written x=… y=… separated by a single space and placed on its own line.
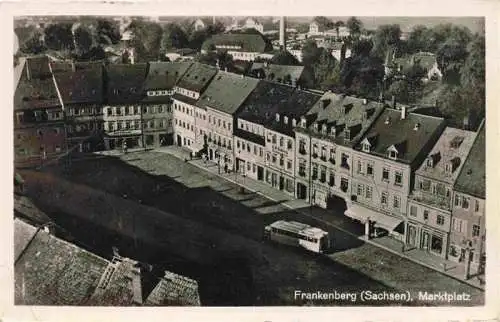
x=168 y=184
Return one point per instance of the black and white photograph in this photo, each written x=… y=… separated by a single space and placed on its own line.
x=249 y=160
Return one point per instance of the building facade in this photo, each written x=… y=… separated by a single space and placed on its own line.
x=123 y=122
x=39 y=126
x=385 y=161
x=468 y=222
x=429 y=207
x=187 y=92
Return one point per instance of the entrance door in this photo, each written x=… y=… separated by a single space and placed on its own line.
x=424 y=244
x=179 y=140
x=301 y=191
x=260 y=173
x=211 y=154
x=282 y=183
x=412 y=235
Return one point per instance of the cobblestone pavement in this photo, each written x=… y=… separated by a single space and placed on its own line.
x=167 y=183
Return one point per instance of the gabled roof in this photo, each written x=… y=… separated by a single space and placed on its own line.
x=227 y=91
x=452 y=144
x=125 y=83
x=38 y=67
x=262 y=104
x=425 y=60
x=277 y=73
x=298 y=104
x=392 y=130
x=247 y=42
x=164 y=75
x=472 y=178
x=81 y=85
x=197 y=77
x=341 y=112
x=36 y=94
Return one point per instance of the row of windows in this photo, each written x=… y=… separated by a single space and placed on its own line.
x=134 y=110
x=136 y=125
x=250 y=127
x=183 y=109
x=185 y=92
x=425 y=215
x=274 y=140
x=184 y=124
x=219 y=122
x=249 y=148
x=274 y=159
x=278 y=181
x=322 y=152
x=384 y=200
x=220 y=141
x=398 y=176
x=463 y=202
x=160 y=93
x=366 y=192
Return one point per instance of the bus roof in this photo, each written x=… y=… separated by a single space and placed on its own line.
x=297 y=227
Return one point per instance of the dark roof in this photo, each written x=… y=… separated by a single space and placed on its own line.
x=248 y=42
x=249 y=136
x=227 y=91
x=164 y=75
x=197 y=77
x=472 y=178
x=401 y=134
x=65 y=66
x=125 y=83
x=185 y=99
x=298 y=104
x=342 y=112
x=38 y=67
x=262 y=104
x=425 y=60
x=51 y=271
x=274 y=72
x=80 y=86
x=36 y=93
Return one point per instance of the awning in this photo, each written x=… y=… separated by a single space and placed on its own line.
x=380 y=220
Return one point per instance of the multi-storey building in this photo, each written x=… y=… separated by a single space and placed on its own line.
x=257 y=110
x=214 y=116
x=187 y=92
x=325 y=137
x=156 y=104
x=468 y=230
x=122 y=110
x=385 y=160
x=80 y=86
x=280 y=139
x=429 y=206
x=39 y=134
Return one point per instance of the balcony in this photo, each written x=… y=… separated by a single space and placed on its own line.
x=430 y=199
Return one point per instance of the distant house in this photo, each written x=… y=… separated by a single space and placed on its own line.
x=251 y=23
x=316 y=27
x=290 y=75
x=336 y=50
x=202 y=23
x=425 y=59
x=239 y=45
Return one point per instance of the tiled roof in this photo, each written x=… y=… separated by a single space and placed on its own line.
x=248 y=42
x=342 y=112
x=425 y=60
x=261 y=105
x=164 y=75
x=275 y=72
x=80 y=86
x=197 y=77
x=54 y=272
x=36 y=93
x=227 y=91
x=298 y=104
x=38 y=67
x=50 y=271
x=452 y=147
x=65 y=66
x=472 y=178
x=391 y=130
x=125 y=83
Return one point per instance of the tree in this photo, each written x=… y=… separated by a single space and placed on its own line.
x=400 y=90
x=385 y=37
x=83 y=40
x=173 y=37
x=337 y=26
x=363 y=75
x=222 y=58
x=473 y=70
x=147 y=38
x=33 y=45
x=285 y=58
x=108 y=32
x=323 y=21
x=59 y=36
x=419 y=39
x=197 y=38
x=302 y=28
x=451 y=58
x=354 y=25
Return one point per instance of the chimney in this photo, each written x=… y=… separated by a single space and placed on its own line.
x=393 y=101
x=136 y=284
x=283 y=33
x=403 y=112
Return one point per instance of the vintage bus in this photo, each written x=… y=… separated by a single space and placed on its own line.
x=298 y=234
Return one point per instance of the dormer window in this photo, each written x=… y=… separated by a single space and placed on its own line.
x=430 y=162
x=347 y=135
x=285 y=119
x=294 y=122
x=303 y=122
x=366 y=147
x=333 y=131
x=277 y=117
x=316 y=127
x=393 y=155
x=448 y=167
x=324 y=129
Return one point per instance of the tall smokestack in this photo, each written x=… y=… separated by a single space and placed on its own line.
x=283 y=33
